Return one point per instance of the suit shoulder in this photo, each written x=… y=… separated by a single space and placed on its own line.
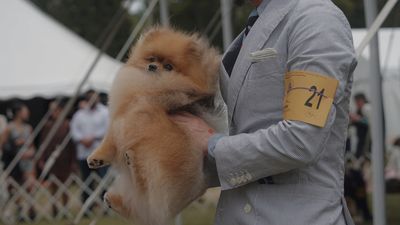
x=318 y=7
x=323 y=14
x=316 y=4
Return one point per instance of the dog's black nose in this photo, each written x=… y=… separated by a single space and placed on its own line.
x=152 y=67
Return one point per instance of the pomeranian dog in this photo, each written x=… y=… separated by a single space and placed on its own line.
x=159 y=169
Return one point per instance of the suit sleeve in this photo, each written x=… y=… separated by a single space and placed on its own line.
x=319 y=41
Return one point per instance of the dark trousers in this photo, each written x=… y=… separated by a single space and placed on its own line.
x=85 y=173
x=355 y=189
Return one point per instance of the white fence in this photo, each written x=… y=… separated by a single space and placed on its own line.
x=16 y=200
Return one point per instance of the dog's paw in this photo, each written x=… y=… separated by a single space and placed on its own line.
x=96 y=163
x=115 y=202
x=107 y=201
x=127 y=159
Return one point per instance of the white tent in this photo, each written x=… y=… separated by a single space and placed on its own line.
x=40 y=57
x=389 y=52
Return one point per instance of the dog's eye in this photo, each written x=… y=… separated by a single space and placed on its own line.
x=151 y=59
x=168 y=67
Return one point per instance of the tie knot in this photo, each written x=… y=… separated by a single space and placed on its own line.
x=250 y=21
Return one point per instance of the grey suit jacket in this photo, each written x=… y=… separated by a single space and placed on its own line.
x=306 y=162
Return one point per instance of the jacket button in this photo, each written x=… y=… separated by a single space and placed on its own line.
x=241 y=179
x=247 y=208
x=233 y=181
x=248 y=177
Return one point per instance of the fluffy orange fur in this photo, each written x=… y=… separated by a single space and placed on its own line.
x=160 y=170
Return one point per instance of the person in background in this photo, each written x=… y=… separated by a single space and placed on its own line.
x=392 y=170
x=356 y=176
x=64 y=162
x=360 y=120
x=13 y=139
x=88 y=126
x=82 y=104
x=3 y=187
x=3 y=123
x=355 y=191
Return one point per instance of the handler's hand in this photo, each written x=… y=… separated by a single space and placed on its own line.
x=87 y=142
x=197 y=129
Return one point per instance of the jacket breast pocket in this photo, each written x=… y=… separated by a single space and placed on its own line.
x=264 y=87
x=265 y=68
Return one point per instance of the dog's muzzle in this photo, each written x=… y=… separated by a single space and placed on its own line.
x=152 y=67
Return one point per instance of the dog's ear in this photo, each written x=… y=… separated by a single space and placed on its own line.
x=195 y=48
x=206 y=56
x=153 y=32
x=150 y=34
x=147 y=35
x=193 y=51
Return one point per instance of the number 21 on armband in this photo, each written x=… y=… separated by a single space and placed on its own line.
x=308 y=97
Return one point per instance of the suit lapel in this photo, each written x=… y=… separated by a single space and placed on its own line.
x=228 y=62
x=231 y=55
x=256 y=38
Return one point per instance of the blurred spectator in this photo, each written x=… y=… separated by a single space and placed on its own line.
x=392 y=171
x=63 y=164
x=355 y=191
x=3 y=123
x=3 y=188
x=82 y=104
x=13 y=138
x=88 y=126
x=360 y=120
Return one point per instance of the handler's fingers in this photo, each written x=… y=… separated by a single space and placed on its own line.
x=178 y=118
x=187 y=114
x=183 y=117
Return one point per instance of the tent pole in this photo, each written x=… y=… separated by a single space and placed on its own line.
x=164 y=12
x=377 y=128
x=374 y=27
x=226 y=6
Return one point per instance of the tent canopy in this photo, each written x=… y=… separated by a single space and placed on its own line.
x=389 y=50
x=41 y=57
x=389 y=53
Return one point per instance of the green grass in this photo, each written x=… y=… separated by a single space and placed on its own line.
x=393 y=209
x=203 y=214
x=200 y=212
x=101 y=221
x=193 y=215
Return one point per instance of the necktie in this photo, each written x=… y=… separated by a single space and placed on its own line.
x=230 y=57
x=250 y=22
